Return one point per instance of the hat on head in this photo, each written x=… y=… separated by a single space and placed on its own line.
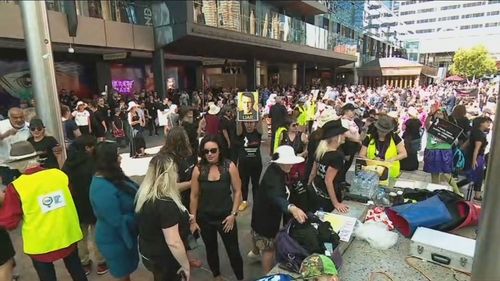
x=317 y=266
x=79 y=103
x=286 y=155
x=22 y=150
x=36 y=123
x=327 y=115
x=213 y=109
x=332 y=129
x=348 y=106
x=131 y=105
x=384 y=124
x=412 y=111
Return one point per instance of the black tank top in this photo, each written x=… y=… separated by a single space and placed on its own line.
x=297 y=144
x=215 y=196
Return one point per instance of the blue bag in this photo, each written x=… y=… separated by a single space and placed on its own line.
x=430 y=213
x=276 y=277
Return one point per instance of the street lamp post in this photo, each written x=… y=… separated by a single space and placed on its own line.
x=39 y=49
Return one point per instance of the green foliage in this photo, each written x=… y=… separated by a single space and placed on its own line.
x=475 y=62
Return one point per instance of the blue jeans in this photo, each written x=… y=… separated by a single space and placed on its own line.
x=46 y=271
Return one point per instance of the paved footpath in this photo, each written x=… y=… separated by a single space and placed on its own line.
x=359 y=260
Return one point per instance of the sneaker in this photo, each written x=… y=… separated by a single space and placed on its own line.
x=243 y=206
x=253 y=255
x=87 y=268
x=102 y=269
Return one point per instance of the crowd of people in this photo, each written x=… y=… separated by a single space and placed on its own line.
x=201 y=179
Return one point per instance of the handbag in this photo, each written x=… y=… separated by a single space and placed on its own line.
x=119 y=133
x=289 y=253
x=429 y=213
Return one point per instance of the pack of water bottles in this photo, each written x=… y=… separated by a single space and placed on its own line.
x=365 y=184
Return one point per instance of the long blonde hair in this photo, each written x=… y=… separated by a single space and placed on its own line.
x=160 y=182
x=324 y=146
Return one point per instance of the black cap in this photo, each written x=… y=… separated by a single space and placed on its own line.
x=332 y=129
x=36 y=123
x=348 y=106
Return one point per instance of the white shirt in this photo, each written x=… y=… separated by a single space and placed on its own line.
x=81 y=117
x=5 y=144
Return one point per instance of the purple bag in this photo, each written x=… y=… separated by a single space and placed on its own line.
x=289 y=253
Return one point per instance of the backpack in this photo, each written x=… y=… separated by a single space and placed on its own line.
x=289 y=253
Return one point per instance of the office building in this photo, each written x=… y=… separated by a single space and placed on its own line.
x=435 y=30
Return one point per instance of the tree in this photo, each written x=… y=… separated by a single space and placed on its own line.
x=473 y=63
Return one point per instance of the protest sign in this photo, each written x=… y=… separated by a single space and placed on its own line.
x=444 y=130
x=248 y=106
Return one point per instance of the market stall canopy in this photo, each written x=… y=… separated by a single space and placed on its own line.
x=454 y=78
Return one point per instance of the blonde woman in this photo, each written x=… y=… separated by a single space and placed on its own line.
x=163 y=222
x=325 y=177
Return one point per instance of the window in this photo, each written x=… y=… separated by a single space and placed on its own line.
x=450 y=7
x=424 y=31
x=426 y=20
x=410 y=22
x=449 y=18
x=476 y=26
x=491 y=24
x=463 y=27
x=494 y=2
x=407 y=13
x=494 y=13
x=475 y=15
x=473 y=4
x=426 y=10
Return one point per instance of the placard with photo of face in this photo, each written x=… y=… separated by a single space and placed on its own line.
x=248 y=106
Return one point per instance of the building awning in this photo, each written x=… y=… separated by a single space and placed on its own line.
x=390 y=67
x=207 y=41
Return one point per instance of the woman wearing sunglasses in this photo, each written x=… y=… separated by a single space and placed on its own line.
x=48 y=146
x=213 y=208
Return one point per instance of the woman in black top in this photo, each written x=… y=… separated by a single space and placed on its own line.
x=412 y=140
x=271 y=202
x=329 y=162
x=163 y=221
x=178 y=148
x=475 y=154
x=459 y=118
x=46 y=145
x=249 y=158
x=298 y=140
x=212 y=206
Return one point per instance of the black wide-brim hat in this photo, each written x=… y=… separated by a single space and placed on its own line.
x=332 y=129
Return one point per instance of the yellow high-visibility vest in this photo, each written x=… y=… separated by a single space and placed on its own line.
x=392 y=151
x=278 y=137
x=50 y=220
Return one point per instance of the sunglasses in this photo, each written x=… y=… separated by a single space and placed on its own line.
x=211 y=151
x=295 y=125
x=36 y=129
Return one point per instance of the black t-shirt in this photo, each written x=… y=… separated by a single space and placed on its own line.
x=382 y=146
x=48 y=159
x=230 y=126
x=152 y=218
x=475 y=136
x=250 y=148
x=69 y=128
x=96 y=119
x=334 y=159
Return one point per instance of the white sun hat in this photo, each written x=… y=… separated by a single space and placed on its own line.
x=213 y=109
x=286 y=155
x=131 y=105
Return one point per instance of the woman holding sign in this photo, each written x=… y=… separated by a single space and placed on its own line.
x=438 y=155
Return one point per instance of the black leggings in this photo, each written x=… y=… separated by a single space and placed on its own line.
x=162 y=271
x=249 y=169
x=209 y=229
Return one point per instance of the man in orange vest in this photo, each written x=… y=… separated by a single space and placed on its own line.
x=42 y=200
